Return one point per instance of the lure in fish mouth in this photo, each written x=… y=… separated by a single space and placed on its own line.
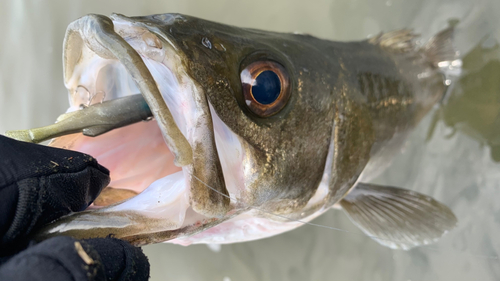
x=248 y=133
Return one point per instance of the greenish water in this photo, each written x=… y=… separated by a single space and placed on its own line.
x=453 y=155
x=473 y=107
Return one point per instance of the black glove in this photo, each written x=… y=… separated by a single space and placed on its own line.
x=39 y=184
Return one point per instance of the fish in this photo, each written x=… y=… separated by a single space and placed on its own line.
x=219 y=134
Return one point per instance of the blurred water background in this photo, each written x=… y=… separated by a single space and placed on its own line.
x=453 y=155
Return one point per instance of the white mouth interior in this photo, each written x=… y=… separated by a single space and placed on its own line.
x=136 y=155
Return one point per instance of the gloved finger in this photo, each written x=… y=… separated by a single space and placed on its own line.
x=121 y=260
x=39 y=184
x=65 y=258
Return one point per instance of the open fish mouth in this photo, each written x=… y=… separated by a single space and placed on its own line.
x=170 y=162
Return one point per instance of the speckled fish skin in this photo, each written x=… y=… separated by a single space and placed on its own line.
x=351 y=106
x=359 y=94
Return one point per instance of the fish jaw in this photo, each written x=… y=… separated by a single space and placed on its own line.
x=171 y=197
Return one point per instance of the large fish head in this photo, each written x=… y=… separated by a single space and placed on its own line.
x=272 y=152
x=256 y=112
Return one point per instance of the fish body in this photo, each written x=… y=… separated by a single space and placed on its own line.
x=266 y=130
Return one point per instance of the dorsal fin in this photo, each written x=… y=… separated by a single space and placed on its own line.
x=398 y=41
x=438 y=49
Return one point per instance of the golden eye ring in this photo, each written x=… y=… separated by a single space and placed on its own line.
x=266 y=87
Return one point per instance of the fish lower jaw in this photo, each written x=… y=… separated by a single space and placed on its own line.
x=139 y=162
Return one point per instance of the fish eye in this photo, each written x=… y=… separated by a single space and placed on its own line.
x=266 y=87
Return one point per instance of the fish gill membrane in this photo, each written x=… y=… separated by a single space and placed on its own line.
x=208 y=170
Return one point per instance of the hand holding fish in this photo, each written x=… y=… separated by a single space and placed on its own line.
x=39 y=184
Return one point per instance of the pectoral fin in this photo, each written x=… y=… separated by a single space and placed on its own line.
x=397 y=218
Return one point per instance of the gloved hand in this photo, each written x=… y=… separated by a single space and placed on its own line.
x=39 y=184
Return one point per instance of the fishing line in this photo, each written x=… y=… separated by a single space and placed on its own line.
x=338 y=229
x=290 y=219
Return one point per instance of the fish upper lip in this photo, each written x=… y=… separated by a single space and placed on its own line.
x=97 y=33
x=196 y=121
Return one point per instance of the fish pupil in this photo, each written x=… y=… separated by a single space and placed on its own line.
x=267 y=87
